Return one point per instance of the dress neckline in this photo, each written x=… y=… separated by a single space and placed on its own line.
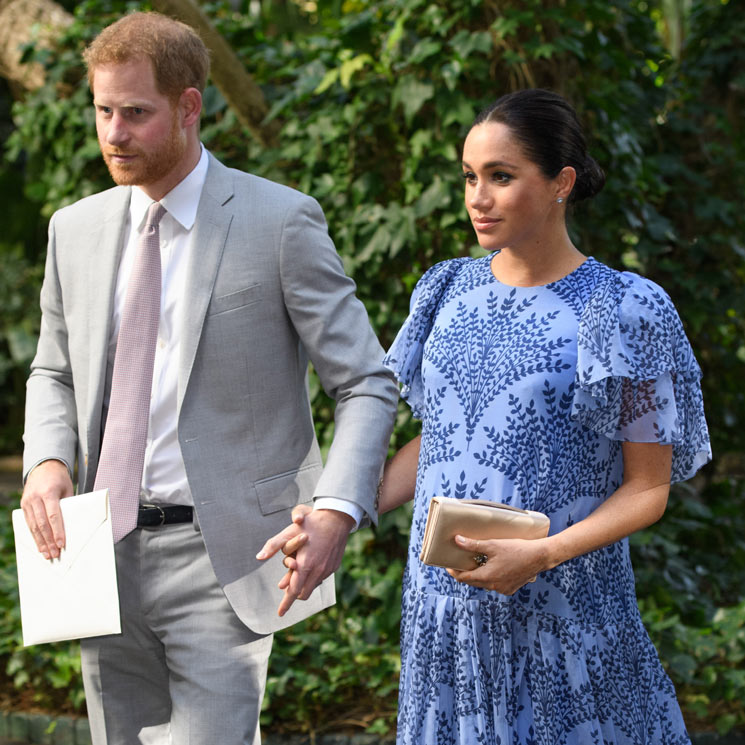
x=589 y=261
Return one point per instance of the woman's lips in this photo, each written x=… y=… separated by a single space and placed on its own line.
x=484 y=223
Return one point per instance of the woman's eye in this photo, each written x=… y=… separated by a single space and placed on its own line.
x=502 y=178
x=469 y=176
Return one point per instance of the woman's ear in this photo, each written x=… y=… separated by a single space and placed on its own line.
x=565 y=183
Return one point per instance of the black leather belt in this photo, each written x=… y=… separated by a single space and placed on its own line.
x=155 y=515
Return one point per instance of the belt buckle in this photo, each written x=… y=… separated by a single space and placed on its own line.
x=162 y=514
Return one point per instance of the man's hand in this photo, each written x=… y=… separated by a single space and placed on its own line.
x=317 y=539
x=45 y=486
x=290 y=539
x=319 y=557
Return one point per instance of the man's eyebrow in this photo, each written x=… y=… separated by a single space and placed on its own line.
x=125 y=105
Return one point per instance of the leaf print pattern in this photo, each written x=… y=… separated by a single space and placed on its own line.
x=546 y=472
x=480 y=357
x=526 y=395
x=437 y=436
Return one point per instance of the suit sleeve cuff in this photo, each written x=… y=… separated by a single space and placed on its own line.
x=44 y=460
x=341 y=505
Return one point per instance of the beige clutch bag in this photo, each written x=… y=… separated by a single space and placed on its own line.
x=473 y=518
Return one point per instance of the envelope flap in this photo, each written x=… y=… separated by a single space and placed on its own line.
x=83 y=516
x=95 y=504
x=75 y=596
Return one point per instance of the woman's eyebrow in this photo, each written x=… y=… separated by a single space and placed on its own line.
x=494 y=164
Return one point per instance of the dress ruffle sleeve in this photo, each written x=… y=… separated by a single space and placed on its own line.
x=637 y=378
x=404 y=358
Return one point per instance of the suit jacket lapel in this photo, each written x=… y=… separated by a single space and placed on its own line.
x=211 y=229
x=106 y=242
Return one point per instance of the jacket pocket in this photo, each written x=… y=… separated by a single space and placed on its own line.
x=285 y=490
x=234 y=300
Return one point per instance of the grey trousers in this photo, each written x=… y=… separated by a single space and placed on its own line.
x=184 y=670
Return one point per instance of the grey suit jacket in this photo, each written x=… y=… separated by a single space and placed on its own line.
x=266 y=294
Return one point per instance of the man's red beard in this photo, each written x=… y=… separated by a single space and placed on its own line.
x=147 y=167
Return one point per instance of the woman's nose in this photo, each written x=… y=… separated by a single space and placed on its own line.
x=480 y=197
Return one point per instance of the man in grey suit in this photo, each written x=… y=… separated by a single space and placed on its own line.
x=252 y=289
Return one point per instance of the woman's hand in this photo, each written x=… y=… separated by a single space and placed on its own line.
x=637 y=503
x=290 y=539
x=510 y=563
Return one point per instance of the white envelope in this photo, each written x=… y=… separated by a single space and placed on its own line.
x=76 y=595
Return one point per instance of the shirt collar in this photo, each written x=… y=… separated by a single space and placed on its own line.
x=181 y=202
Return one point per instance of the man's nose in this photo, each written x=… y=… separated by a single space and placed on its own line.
x=116 y=132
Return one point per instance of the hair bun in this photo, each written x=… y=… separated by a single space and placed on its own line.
x=546 y=126
x=590 y=180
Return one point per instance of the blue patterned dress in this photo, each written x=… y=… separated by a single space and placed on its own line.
x=525 y=395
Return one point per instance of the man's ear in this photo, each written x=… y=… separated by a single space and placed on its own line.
x=190 y=106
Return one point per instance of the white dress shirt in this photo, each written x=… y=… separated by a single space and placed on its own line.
x=164 y=475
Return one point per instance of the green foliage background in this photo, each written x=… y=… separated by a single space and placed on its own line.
x=374 y=99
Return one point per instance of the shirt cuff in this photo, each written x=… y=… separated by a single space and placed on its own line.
x=341 y=505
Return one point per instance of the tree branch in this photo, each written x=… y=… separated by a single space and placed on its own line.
x=238 y=88
x=23 y=21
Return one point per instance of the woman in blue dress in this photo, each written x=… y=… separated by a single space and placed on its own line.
x=548 y=381
x=545 y=380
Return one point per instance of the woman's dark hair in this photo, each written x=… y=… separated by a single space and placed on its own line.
x=548 y=129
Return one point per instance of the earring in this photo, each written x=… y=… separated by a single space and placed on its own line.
x=560 y=200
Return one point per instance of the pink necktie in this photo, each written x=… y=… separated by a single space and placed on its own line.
x=124 y=440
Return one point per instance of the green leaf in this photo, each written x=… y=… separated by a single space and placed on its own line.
x=436 y=196
x=465 y=43
x=351 y=66
x=212 y=101
x=412 y=94
x=684 y=666
x=22 y=344
x=328 y=80
x=423 y=50
x=726 y=723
